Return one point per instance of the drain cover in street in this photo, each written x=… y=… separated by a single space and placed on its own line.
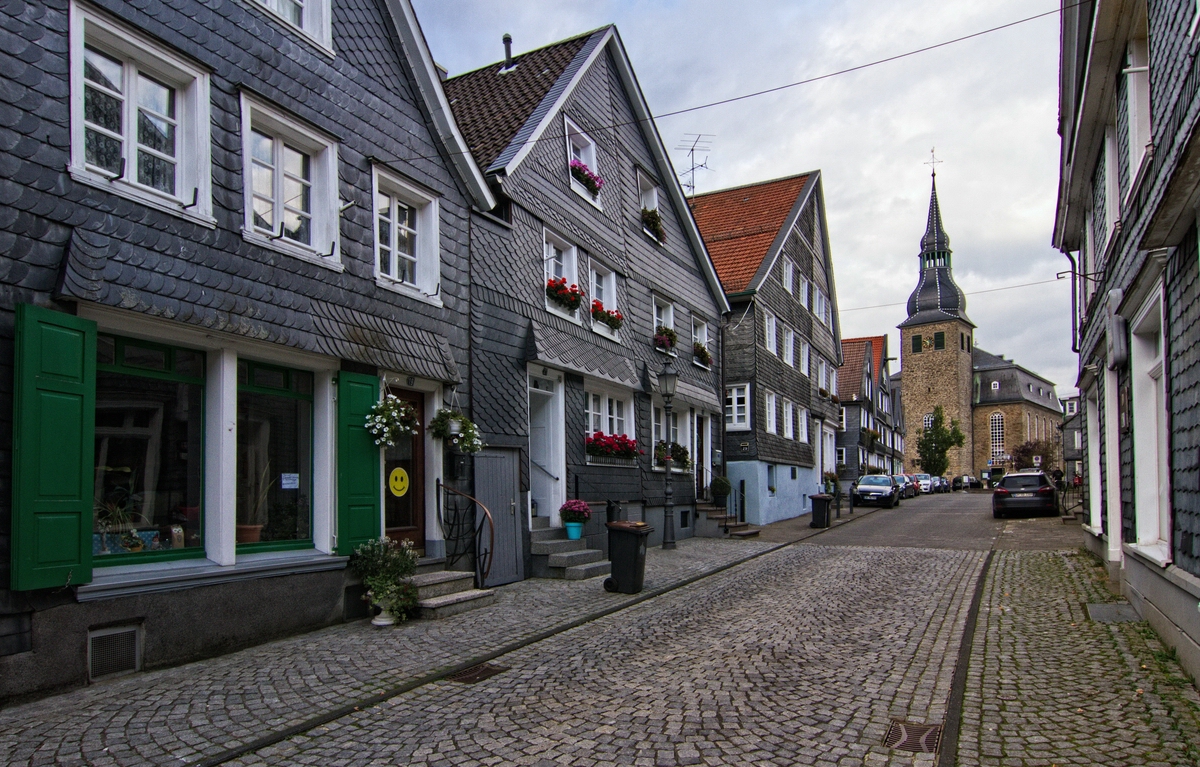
x=475 y=673
x=1112 y=612
x=909 y=736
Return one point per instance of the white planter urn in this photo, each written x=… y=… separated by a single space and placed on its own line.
x=385 y=618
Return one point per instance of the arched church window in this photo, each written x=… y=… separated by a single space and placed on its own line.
x=928 y=421
x=996 y=427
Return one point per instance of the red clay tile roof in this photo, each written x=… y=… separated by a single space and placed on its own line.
x=878 y=344
x=739 y=225
x=850 y=374
x=491 y=107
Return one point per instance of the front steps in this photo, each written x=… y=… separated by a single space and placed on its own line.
x=554 y=556
x=442 y=593
x=713 y=522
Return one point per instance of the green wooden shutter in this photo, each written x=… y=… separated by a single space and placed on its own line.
x=359 y=488
x=54 y=416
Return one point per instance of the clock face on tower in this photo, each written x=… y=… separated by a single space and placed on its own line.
x=927 y=341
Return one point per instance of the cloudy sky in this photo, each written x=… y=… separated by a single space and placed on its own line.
x=989 y=106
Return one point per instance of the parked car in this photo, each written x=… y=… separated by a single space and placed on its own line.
x=966 y=481
x=1030 y=491
x=925 y=482
x=908 y=488
x=879 y=489
x=941 y=485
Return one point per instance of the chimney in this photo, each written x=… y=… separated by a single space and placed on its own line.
x=508 y=62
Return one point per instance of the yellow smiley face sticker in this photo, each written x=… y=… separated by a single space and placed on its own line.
x=398 y=482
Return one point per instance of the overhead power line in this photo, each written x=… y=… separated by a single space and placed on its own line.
x=970 y=293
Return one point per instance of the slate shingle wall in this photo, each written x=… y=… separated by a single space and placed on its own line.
x=1183 y=321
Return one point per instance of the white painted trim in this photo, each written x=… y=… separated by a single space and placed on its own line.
x=324 y=503
x=429 y=247
x=1092 y=414
x=319 y=31
x=220 y=458
x=1112 y=466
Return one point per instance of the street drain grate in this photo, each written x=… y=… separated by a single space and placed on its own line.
x=475 y=674
x=908 y=736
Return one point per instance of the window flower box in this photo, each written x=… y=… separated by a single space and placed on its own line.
x=613 y=461
x=702 y=354
x=584 y=175
x=824 y=393
x=569 y=298
x=614 y=319
x=665 y=338
x=611 y=446
x=653 y=224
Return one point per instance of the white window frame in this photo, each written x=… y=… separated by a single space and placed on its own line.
x=316 y=26
x=193 y=153
x=822 y=375
x=603 y=285
x=789 y=419
x=324 y=248
x=789 y=346
x=803 y=421
x=700 y=336
x=428 y=267
x=806 y=358
x=1152 y=507
x=770 y=413
x=1137 y=73
x=577 y=138
x=678 y=432
x=995 y=386
x=788 y=275
x=769 y=333
x=570 y=259
x=1072 y=407
x=664 y=316
x=841 y=456
x=805 y=292
x=615 y=414
x=737 y=402
x=996 y=434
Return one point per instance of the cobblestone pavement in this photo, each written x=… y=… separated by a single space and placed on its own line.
x=1048 y=686
x=803 y=656
x=190 y=712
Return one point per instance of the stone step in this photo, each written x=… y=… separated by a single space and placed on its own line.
x=733 y=525
x=548 y=534
x=751 y=532
x=431 y=564
x=438 y=584
x=459 y=602
x=555 y=546
x=591 y=570
x=539 y=523
x=572 y=558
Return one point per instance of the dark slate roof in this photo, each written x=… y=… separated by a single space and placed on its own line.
x=565 y=350
x=491 y=107
x=935 y=240
x=1015 y=381
x=255 y=304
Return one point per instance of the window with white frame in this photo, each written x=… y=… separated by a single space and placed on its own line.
x=1072 y=407
x=1078 y=439
x=647 y=191
x=309 y=16
x=995 y=386
x=996 y=432
x=787 y=275
x=406 y=235
x=789 y=420
x=832 y=380
x=927 y=421
x=671 y=431
x=789 y=346
x=139 y=118
x=769 y=414
x=842 y=418
x=699 y=332
x=581 y=150
x=560 y=261
x=802 y=418
x=1137 y=73
x=664 y=313
x=822 y=374
x=1152 y=508
x=841 y=455
x=769 y=334
x=604 y=291
x=737 y=407
x=805 y=290
x=290 y=175
x=606 y=412
x=805 y=357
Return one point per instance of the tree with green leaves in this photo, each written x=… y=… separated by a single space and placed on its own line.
x=936 y=442
x=1023 y=454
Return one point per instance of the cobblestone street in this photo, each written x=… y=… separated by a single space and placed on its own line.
x=800 y=654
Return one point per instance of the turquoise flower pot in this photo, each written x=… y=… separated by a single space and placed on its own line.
x=574 y=530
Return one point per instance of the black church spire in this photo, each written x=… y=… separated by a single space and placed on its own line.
x=936 y=297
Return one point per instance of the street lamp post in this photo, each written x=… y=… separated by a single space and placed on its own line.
x=666 y=389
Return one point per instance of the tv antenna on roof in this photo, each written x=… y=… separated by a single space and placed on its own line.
x=693 y=143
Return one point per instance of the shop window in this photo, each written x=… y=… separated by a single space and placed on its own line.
x=274 y=455
x=149 y=448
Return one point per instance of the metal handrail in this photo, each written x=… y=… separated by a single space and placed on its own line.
x=483 y=560
x=544 y=470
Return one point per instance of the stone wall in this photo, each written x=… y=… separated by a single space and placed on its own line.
x=937 y=377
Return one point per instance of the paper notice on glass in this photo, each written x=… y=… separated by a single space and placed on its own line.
x=289 y=482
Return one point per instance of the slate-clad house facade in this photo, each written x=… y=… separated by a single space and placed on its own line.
x=1129 y=113
x=547 y=374
x=225 y=231
x=782 y=342
x=868 y=441
x=1072 y=439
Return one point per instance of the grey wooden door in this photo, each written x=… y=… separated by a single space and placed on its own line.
x=497 y=487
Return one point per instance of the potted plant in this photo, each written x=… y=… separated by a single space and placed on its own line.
x=680 y=457
x=574 y=513
x=584 y=175
x=131 y=541
x=390 y=419
x=720 y=488
x=614 y=319
x=386 y=569
x=665 y=338
x=114 y=510
x=457 y=430
x=568 y=297
x=653 y=224
x=831 y=483
x=871 y=436
x=604 y=445
x=702 y=354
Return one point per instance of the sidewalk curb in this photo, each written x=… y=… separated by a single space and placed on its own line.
x=371 y=701
x=958 y=684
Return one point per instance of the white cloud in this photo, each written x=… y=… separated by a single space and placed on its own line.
x=988 y=104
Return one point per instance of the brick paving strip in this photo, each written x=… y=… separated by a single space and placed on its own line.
x=1048 y=686
x=803 y=656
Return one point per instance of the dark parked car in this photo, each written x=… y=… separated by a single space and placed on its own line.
x=876 y=488
x=966 y=481
x=908 y=488
x=1024 y=491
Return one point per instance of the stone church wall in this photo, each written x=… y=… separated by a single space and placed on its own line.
x=937 y=377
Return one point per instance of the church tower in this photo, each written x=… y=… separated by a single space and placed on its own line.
x=935 y=348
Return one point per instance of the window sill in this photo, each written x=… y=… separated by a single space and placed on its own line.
x=668 y=352
x=296 y=251
x=734 y=427
x=661 y=470
x=404 y=289
x=150 y=199
x=660 y=243
x=1159 y=553
x=324 y=46
x=582 y=191
x=701 y=365
x=612 y=461
x=600 y=328
x=152 y=577
x=554 y=309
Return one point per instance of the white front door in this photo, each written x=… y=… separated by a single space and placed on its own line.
x=547 y=461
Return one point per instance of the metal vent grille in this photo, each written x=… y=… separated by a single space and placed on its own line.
x=475 y=674
x=909 y=736
x=114 y=651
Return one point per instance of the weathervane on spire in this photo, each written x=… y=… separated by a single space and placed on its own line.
x=933 y=162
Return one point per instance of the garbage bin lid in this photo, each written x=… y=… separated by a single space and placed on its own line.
x=634 y=527
x=822 y=496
